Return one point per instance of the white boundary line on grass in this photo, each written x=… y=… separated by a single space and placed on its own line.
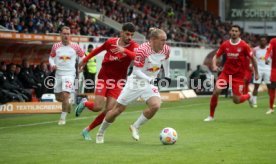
x=83 y=118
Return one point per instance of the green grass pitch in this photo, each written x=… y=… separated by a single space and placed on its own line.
x=238 y=135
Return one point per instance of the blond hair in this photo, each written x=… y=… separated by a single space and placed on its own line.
x=64 y=28
x=155 y=32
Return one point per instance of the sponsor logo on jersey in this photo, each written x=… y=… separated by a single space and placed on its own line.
x=153 y=69
x=65 y=57
x=232 y=55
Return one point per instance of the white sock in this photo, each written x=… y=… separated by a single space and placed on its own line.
x=63 y=115
x=140 y=121
x=103 y=126
x=255 y=99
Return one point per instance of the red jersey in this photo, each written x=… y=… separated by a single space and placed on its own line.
x=236 y=56
x=114 y=66
x=271 y=51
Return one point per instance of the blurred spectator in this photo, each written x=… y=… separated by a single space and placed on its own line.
x=6 y=89
x=41 y=73
x=28 y=79
x=16 y=85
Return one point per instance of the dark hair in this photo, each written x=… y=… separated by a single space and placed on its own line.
x=129 y=27
x=90 y=46
x=236 y=26
x=263 y=36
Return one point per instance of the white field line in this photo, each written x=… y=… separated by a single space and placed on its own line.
x=84 y=118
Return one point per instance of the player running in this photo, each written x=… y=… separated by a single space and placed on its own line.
x=264 y=69
x=63 y=59
x=149 y=58
x=271 y=51
x=233 y=72
x=119 y=54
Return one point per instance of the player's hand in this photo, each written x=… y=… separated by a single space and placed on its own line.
x=117 y=49
x=53 y=67
x=215 y=68
x=81 y=65
x=267 y=61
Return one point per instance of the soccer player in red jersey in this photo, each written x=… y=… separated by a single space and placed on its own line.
x=233 y=73
x=271 y=51
x=119 y=54
x=149 y=58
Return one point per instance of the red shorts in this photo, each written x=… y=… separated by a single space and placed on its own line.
x=108 y=89
x=273 y=75
x=237 y=84
x=248 y=75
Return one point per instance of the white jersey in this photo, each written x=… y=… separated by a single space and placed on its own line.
x=149 y=61
x=64 y=58
x=260 y=57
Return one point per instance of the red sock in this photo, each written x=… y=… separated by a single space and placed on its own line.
x=89 y=105
x=213 y=105
x=97 y=121
x=243 y=98
x=271 y=97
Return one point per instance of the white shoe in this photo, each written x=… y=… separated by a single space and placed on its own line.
x=208 y=119
x=61 y=122
x=135 y=132
x=250 y=100
x=270 y=111
x=100 y=138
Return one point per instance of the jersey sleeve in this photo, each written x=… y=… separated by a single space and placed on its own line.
x=248 y=51
x=96 y=51
x=268 y=51
x=53 y=50
x=79 y=51
x=220 y=51
x=139 y=60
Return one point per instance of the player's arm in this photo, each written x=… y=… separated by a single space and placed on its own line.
x=218 y=54
x=52 y=58
x=120 y=49
x=166 y=67
x=268 y=53
x=253 y=61
x=93 y=53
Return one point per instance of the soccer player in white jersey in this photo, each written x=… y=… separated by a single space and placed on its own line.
x=149 y=58
x=63 y=58
x=263 y=68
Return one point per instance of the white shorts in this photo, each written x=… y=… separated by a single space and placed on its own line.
x=64 y=84
x=131 y=92
x=263 y=76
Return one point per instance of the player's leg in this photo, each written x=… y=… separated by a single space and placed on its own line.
x=110 y=103
x=221 y=84
x=238 y=94
x=152 y=97
x=271 y=97
x=99 y=101
x=256 y=86
x=127 y=95
x=255 y=94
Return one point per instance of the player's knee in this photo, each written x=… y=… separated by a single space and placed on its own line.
x=236 y=100
x=155 y=106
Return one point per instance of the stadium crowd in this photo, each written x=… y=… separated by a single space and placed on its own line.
x=189 y=24
x=22 y=82
x=40 y=17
